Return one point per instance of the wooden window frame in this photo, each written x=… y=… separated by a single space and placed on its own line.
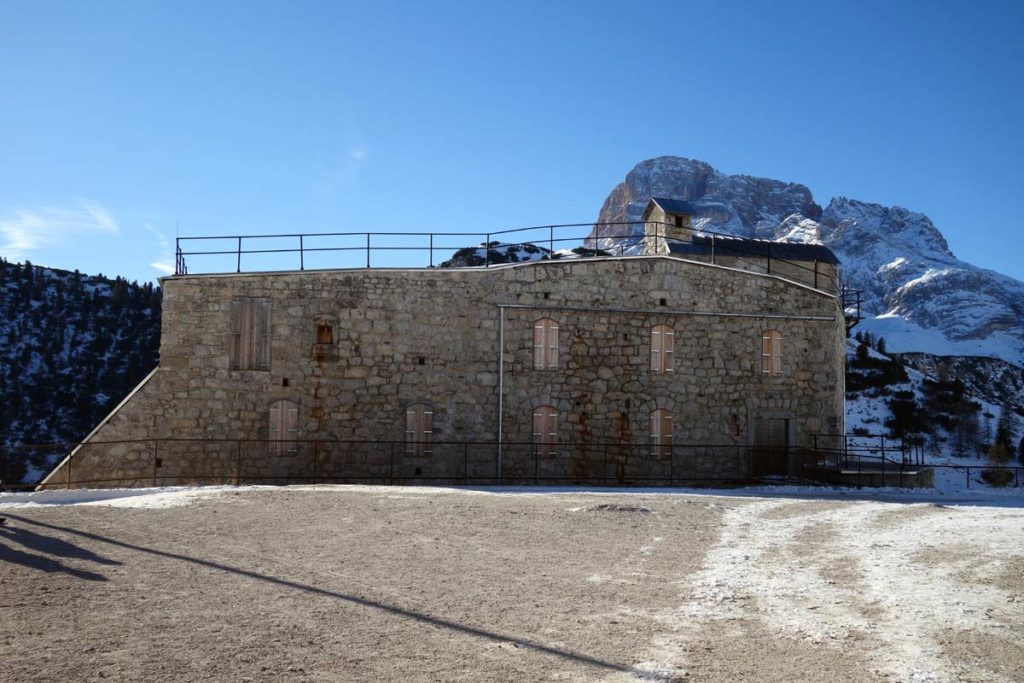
x=771 y=353
x=663 y=341
x=545 y=431
x=419 y=430
x=662 y=432
x=545 y=344
x=282 y=435
x=250 y=320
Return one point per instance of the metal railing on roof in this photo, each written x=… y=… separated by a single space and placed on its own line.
x=346 y=250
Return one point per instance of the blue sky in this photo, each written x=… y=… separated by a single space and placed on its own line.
x=124 y=123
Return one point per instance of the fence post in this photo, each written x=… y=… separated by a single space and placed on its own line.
x=302 y=255
x=367 y=250
x=768 y=251
x=815 y=273
x=487 y=250
x=238 y=268
x=712 y=248
x=551 y=241
x=67 y=474
x=431 y=250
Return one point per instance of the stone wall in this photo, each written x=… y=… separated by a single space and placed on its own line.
x=431 y=337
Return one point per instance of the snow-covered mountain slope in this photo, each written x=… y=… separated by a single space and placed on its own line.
x=71 y=347
x=917 y=294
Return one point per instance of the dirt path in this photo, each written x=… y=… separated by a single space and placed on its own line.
x=367 y=583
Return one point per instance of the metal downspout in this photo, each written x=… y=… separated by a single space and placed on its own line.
x=501 y=382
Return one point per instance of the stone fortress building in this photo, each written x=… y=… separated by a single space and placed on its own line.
x=679 y=363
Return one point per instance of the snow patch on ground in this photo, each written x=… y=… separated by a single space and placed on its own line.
x=856 y=575
x=150 y=498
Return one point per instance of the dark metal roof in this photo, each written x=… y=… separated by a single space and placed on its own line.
x=675 y=206
x=742 y=246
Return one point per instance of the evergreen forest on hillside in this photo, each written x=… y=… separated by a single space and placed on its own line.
x=71 y=347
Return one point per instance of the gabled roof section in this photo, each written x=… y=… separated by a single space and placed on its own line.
x=742 y=246
x=671 y=206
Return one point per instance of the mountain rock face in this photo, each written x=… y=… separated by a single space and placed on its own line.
x=916 y=293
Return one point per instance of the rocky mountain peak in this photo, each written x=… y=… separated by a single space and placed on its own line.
x=915 y=291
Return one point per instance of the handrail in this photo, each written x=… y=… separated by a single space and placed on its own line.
x=742 y=250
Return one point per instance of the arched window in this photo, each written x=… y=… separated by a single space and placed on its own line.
x=771 y=352
x=661 y=434
x=284 y=428
x=662 y=348
x=545 y=344
x=419 y=430
x=545 y=431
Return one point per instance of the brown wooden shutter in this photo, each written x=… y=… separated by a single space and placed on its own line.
x=662 y=342
x=274 y=435
x=552 y=344
x=261 y=332
x=426 y=431
x=291 y=427
x=545 y=431
x=656 y=349
x=668 y=348
x=236 y=335
x=419 y=430
x=661 y=433
x=776 y=353
x=539 y=345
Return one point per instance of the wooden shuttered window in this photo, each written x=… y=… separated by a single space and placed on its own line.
x=661 y=434
x=250 y=334
x=545 y=431
x=419 y=430
x=284 y=428
x=771 y=352
x=545 y=344
x=662 y=349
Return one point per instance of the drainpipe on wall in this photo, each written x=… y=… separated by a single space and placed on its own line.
x=501 y=381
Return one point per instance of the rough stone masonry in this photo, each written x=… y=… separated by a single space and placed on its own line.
x=432 y=337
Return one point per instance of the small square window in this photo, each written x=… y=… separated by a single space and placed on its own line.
x=324 y=333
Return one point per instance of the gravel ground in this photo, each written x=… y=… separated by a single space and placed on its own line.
x=375 y=583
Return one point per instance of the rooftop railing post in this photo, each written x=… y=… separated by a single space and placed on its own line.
x=551 y=241
x=238 y=268
x=768 y=251
x=487 y=251
x=302 y=255
x=367 y=250
x=712 y=248
x=431 y=250
x=815 y=273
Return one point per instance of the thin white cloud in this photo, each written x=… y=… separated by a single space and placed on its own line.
x=165 y=264
x=26 y=230
x=358 y=153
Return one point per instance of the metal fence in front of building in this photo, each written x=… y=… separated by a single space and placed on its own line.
x=165 y=462
x=171 y=462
